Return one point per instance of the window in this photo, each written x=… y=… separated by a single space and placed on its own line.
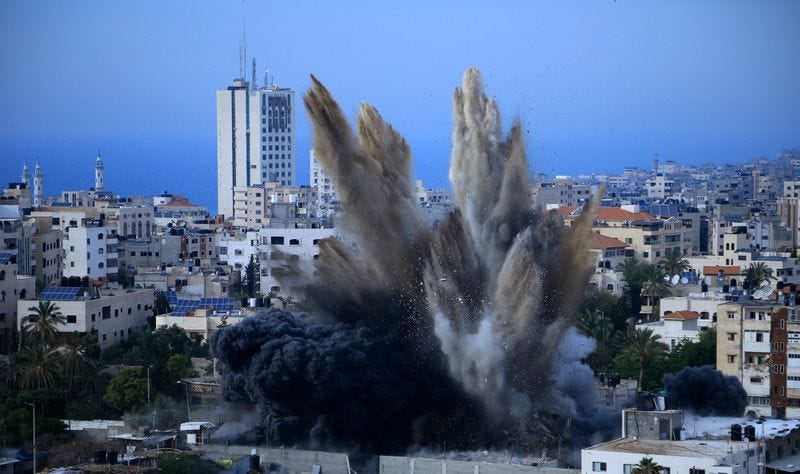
x=104 y=337
x=276 y=240
x=731 y=359
x=731 y=336
x=599 y=467
x=294 y=242
x=759 y=337
x=731 y=314
x=72 y=319
x=756 y=380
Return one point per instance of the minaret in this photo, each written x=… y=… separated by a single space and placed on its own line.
x=98 y=173
x=26 y=175
x=38 y=191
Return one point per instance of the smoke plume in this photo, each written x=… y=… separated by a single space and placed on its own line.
x=458 y=336
x=706 y=391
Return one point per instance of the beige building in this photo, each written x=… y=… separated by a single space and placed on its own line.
x=48 y=254
x=758 y=342
x=253 y=206
x=13 y=289
x=114 y=314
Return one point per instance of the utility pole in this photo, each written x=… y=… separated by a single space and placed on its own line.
x=148 y=385
x=188 y=410
x=34 y=436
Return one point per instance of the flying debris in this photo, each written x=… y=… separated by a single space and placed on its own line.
x=459 y=336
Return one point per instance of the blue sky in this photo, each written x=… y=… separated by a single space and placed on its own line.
x=597 y=85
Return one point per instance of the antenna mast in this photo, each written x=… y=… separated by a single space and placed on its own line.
x=254 y=73
x=243 y=50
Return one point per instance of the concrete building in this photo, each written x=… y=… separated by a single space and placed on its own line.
x=171 y=209
x=91 y=250
x=114 y=314
x=327 y=199
x=153 y=251
x=479 y=465
x=759 y=343
x=13 y=288
x=48 y=252
x=275 y=249
x=675 y=326
x=659 y=186
x=257 y=206
x=689 y=456
x=650 y=238
x=201 y=322
x=561 y=192
x=134 y=221
x=255 y=139
x=607 y=254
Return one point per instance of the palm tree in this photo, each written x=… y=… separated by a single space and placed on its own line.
x=631 y=271
x=38 y=367
x=595 y=325
x=756 y=275
x=647 y=466
x=41 y=324
x=674 y=263
x=643 y=347
x=655 y=285
x=75 y=364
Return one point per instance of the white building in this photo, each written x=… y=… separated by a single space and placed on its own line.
x=675 y=327
x=13 y=288
x=275 y=250
x=690 y=456
x=113 y=314
x=90 y=250
x=255 y=139
x=327 y=199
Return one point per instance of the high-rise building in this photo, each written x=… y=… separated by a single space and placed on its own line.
x=255 y=139
x=327 y=200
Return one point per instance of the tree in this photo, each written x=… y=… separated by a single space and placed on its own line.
x=647 y=466
x=654 y=284
x=180 y=367
x=694 y=353
x=756 y=275
x=674 y=263
x=76 y=366
x=128 y=390
x=633 y=276
x=251 y=277
x=41 y=324
x=38 y=367
x=642 y=347
x=161 y=304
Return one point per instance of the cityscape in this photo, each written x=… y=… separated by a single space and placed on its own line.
x=462 y=294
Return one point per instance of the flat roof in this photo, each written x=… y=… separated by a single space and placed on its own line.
x=713 y=449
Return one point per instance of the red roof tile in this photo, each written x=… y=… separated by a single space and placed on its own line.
x=681 y=315
x=600 y=241
x=712 y=270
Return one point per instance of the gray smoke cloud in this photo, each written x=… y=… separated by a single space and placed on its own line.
x=481 y=306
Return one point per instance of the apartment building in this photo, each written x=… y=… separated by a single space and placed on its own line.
x=255 y=206
x=91 y=250
x=759 y=343
x=48 y=252
x=561 y=192
x=13 y=288
x=114 y=314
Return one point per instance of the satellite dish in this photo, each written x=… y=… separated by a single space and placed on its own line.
x=666 y=278
x=707 y=280
x=758 y=294
x=684 y=281
x=675 y=279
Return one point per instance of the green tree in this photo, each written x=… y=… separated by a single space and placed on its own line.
x=632 y=274
x=674 y=263
x=38 y=367
x=76 y=366
x=41 y=324
x=251 y=277
x=647 y=466
x=756 y=275
x=161 y=304
x=127 y=390
x=694 y=353
x=655 y=285
x=642 y=348
x=180 y=367
x=597 y=326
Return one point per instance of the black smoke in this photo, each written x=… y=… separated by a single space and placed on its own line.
x=706 y=391
x=325 y=385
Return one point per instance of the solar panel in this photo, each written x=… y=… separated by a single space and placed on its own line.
x=59 y=293
x=5 y=257
x=181 y=307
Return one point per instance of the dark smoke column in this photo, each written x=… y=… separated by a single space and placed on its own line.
x=458 y=336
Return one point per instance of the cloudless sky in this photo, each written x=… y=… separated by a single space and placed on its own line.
x=598 y=85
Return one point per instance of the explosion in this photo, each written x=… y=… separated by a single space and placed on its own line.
x=458 y=337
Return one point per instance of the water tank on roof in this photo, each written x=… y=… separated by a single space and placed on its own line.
x=736 y=432
x=750 y=433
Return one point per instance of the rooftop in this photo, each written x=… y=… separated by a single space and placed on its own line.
x=699 y=427
x=602 y=242
x=681 y=315
x=713 y=449
x=712 y=270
